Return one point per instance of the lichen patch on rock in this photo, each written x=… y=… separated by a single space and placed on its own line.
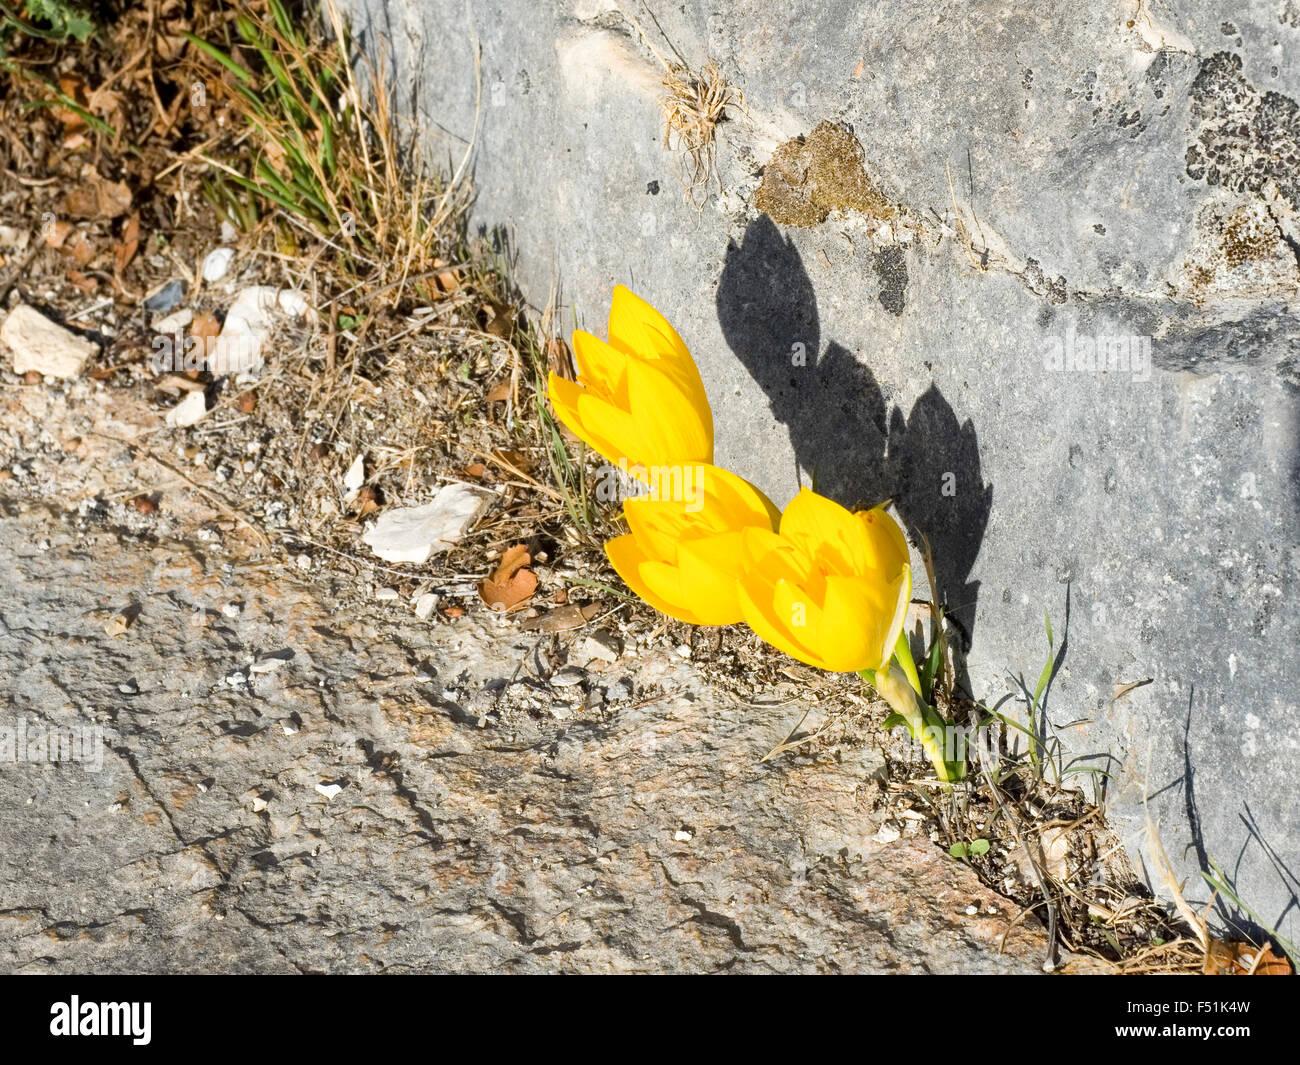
x=809 y=177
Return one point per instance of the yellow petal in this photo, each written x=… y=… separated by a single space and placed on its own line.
x=674 y=426
x=566 y=398
x=735 y=500
x=780 y=613
x=709 y=573
x=601 y=368
x=858 y=623
x=608 y=429
x=636 y=328
x=658 y=525
x=886 y=544
x=832 y=535
x=640 y=331
x=649 y=579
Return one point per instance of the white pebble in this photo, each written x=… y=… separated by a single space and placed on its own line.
x=217 y=263
x=888 y=833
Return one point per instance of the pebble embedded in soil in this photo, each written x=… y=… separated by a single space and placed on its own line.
x=165 y=297
x=45 y=347
x=887 y=833
x=567 y=677
x=414 y=534
x=192 y=409
x=217 y=264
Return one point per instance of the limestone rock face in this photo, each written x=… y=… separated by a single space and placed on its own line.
x=1064 y=341
x=257 y=780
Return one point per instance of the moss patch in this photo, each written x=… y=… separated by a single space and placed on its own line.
x=809 y=177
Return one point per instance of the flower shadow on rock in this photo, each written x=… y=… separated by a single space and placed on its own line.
x=839 y=424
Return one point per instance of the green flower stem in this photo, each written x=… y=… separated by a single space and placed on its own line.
x=903 y=656
x=898 y=689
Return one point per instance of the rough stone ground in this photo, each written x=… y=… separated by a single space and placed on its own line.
x=642 y=835
x=299 y=774
x=1096 y=170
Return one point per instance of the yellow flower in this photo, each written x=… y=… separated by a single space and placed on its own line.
x=638 y=398
x=686 y=552
x=831 y=588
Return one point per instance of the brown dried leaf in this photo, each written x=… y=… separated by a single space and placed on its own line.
x=559 y=360
x=561 y=618
x=97 y=199
x=129 y=245
x=57 y=233
x=502 y=321
x=448 y=280
x=512 y=585
x=519 y=460
x=205 y=325
x=1121 y=690
x=80 y=248
x=74 y=89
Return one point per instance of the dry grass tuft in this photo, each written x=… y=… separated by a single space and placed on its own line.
x=695 y=104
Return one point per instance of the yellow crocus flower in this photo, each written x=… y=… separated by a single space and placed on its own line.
x=638 y=399
x=831 y=588
x=686 y=551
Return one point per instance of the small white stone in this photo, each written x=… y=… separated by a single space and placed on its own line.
x=42 y=345
x=217 y=264
x=248 y=325
x=193 y=408
x=600 y=645
x=328 y=790
x=354 y=478
x=294 y=303
x=232 y=610
x=12 y=239
x=413 y=534
x=682 y=836
x=266 y=665
x=385 y=595
x=259 y=804
x=567 y=677
x=174 y=322
x=887 y=833
x=288 y=727
x=229 y=234
x=971 y=911
x=683 y=650
x=236 y=678
x=304 y=561
x=426 y=605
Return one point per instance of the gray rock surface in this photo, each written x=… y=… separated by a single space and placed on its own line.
x=286 y=784
x=1084 y=170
